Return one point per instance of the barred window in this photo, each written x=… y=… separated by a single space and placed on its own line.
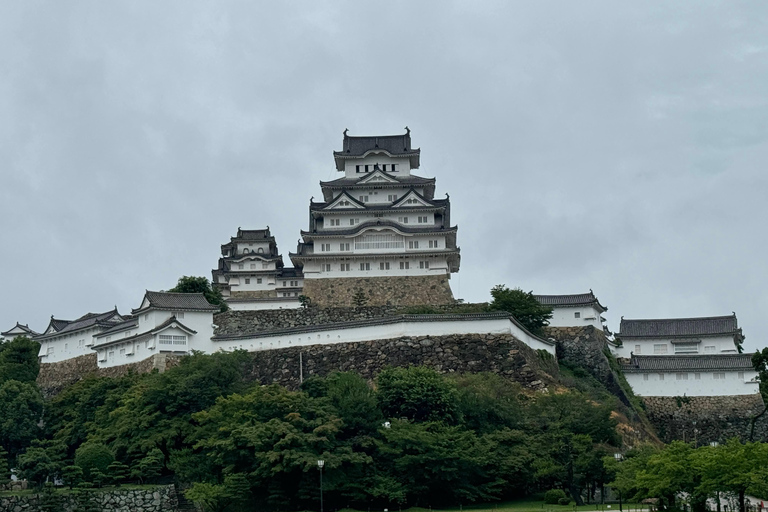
x=167 y=339
x=379 y=242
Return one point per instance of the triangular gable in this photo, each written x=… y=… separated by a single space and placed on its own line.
x=173 y=323
x=411 y=199
x=344 y=200
x=145 y=303
x=377 y=176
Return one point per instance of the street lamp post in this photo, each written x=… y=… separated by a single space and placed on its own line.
x=619 y=457
x=320 y=464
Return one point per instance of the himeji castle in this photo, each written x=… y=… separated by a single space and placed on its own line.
x=379 y=229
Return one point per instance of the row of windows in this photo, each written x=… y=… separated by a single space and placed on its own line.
x=168 y=339
x=379 y=242
x=697 y=376
x=290 y=294
x=421 y=219
x=369 y=167
x=383 y=265
x=680 y=348
x=264 y=265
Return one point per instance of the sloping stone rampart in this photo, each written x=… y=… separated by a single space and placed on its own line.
x=469 y=353
x=54 y=377
x=380 y=291
x=161 y=499
x=586 y=347
x=704 y=419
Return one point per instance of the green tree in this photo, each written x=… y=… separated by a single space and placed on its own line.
x=733 y=468
x=72 y=475
x=522 y=305
x=667 y=473
x=21 y=408
x=355 y=402
x=42 y=461
x=5 y=470
x=359 y=298
x=92 y=457
x=148 y=468
x=190 y=284
x=488 y=402
x=19 y=360
x=118 y=472
x=417 y=393
x=210 y=497
x=436 y=464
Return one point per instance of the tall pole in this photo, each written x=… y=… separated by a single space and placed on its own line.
x=320 y=464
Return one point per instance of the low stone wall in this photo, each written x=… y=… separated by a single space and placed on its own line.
x=469 y=353
x=161 y=499
x=54 y=377
x=380 y=291
x=246 y=322
x=704 y=419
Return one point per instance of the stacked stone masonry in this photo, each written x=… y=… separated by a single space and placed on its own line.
x=54 y=377
x=498 y=353
x=380 y=291
x=704 y=419
x=161 y=499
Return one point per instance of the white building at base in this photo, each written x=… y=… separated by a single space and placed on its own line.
x=174 y=323
x=66 y=339
x=577 y=310
x=17 y=331
x=685 y=357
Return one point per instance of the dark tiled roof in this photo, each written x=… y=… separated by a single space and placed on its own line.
x=58 y=324
x=369 y=207
x=672 y=327
x=395 y=145
x=580 y=299
x=409 y=180
x=84 y=322
x=707 y=362
x=128 y=324
x=423 y=228
x=176 y=301
x=253 y=234
x=290 y=272
x=24 y=328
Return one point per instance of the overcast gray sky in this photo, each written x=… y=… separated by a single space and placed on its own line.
x=618 y=146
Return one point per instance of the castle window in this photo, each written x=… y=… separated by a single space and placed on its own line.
x=661 y=376
x=264 y=265
x=384 y=265
x=366 y=168
x=402 y=220
x=258 y=280
x=363 y=199
x=577 y=314
x=180 y=314
x=122 y=351
x=323 y=247
x=253 y=265
x=422 y=219
x=423 y=264
x=660 y=348
x=434 y=244
x=294 y=283
x=261 y=250
x=709 y=349
x=384 y=167
x=697 y=376
x=686 y=348
x=404 y=265
x=247 y=280
x=718 y=375
x=344 y=247
x=741 y=375
x=413 y=244
x=392 y=197
x=637 y=349
x=357 y=169
x=49 y=351
x=681 y=376
x=326 y=268
x=344 y=267
x=394 y=168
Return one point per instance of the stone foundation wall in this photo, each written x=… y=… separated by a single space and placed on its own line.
x=161 y=499
x=586 y=347
x=54 y=377
x=473 y=353
x=704 y=419
x=380 y=291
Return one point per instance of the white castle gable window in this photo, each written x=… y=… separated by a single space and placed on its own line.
x=169 y=339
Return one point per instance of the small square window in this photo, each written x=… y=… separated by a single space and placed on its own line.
x=577 y=314
x=258 y=280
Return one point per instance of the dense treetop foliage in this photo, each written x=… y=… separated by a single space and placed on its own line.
x=522 y=305
x=190 y=284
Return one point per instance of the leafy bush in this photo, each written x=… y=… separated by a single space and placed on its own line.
x=93 y=456
x=564 y=501
x=553 y=497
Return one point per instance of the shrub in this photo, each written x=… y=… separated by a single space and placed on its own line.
x=93 y=456
x=564 y=501
x=553 y=496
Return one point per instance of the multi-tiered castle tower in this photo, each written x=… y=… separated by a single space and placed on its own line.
x=379 y=233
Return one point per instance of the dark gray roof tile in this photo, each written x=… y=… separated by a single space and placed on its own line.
x=176 y=301
x=707 y=362
x=580 y=299
x=676 y=327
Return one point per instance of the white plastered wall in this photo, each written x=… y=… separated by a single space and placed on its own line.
x=674 y=384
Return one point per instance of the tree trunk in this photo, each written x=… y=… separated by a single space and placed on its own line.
x=742 y=507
